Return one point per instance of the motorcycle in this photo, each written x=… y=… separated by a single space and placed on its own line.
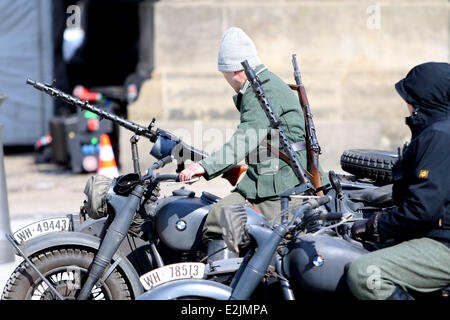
x=302 y=263
x=135 y=241
x=78 y=257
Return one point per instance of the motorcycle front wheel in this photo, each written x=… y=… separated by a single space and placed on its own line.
x=66 y=269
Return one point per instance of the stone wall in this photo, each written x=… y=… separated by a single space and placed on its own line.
x=350 y=54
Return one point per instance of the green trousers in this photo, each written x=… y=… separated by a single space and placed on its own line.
x=421 y=265
x=269 y=208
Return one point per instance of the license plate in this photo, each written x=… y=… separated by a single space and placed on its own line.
x=185 y=270
x=41 y=227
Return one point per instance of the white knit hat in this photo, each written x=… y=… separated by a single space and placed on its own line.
x=235 y=47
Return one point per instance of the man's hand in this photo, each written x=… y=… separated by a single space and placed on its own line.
x=372 y=227
x=194 y=170
x=367 y=229
x=359 y=230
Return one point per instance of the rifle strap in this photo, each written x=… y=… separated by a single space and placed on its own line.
x=277 y=152
x=298 y=146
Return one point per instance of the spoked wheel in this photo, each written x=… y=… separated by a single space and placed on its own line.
x=66 y=280
x=66 y=269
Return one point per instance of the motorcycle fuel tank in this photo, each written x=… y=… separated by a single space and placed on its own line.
x=179 y=222
x=319 y=263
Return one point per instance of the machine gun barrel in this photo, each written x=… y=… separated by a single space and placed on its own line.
x=58 y=94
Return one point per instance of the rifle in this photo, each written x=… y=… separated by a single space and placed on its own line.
x=312 y=144
x=276 y=124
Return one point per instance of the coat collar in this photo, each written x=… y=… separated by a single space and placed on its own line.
x=423 y=117
x=237 y=98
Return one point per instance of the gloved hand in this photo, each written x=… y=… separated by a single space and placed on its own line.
x=359 y=229
x=367 y=229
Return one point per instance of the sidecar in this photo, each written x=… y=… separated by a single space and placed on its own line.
x=318 y=263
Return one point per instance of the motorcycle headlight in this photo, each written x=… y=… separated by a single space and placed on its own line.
x=162 y=148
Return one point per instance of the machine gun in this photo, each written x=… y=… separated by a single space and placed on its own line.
x=312 y=144
x=58 y=94
x=165 y=142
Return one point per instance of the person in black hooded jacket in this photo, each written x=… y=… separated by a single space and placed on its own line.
x=420 y=220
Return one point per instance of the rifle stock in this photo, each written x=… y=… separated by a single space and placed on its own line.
x=235 y=173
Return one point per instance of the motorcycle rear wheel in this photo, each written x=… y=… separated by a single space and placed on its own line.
x=67 y=270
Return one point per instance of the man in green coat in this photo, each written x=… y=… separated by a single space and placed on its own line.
x=267 y=175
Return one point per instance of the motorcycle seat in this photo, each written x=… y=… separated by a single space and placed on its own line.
x=209 y=197
x=379 y=197
x=184 y=193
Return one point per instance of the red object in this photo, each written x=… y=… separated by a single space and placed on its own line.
x=43 y=141
x=253 y=207
x=85 y=94
x=90 y=163
x=93 y=124
x=132 y=89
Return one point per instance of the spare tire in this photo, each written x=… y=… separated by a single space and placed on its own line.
x=372 y=164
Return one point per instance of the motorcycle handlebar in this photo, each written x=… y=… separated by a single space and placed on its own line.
x=330 y=216
x=317 y=202
x=164 y=177
x=309 y=205
x=161 y=163
x=157 y=165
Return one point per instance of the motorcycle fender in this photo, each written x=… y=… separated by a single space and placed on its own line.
x=70 y=238
x=188 y=288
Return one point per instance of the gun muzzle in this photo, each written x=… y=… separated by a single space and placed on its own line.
x=248 y=71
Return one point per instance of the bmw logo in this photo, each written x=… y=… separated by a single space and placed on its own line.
x=318 y=261
x=181 y=225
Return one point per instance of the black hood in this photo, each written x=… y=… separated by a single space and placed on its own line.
x=427 y=88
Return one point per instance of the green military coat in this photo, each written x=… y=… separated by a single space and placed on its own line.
x=267 y=178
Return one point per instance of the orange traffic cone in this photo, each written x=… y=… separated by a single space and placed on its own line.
x=106 y=162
